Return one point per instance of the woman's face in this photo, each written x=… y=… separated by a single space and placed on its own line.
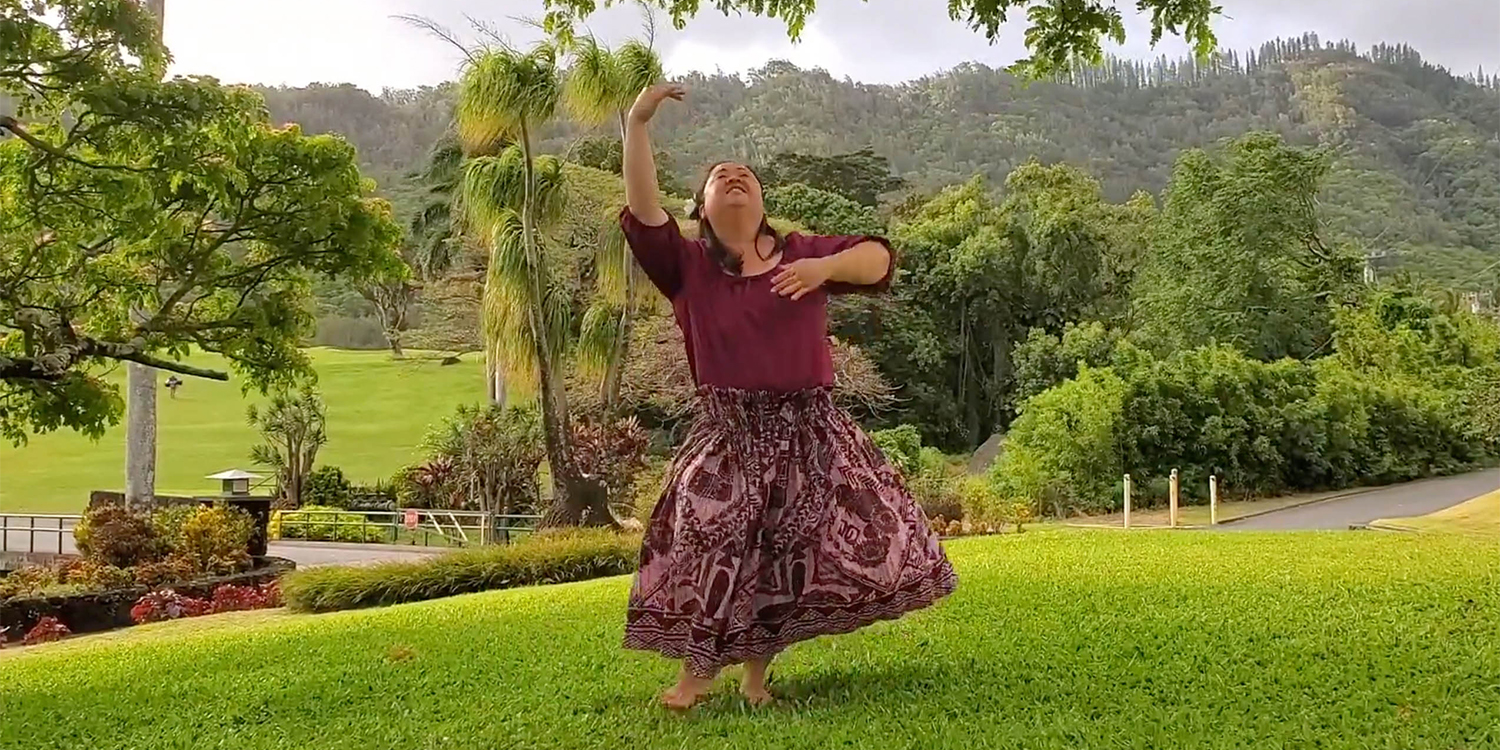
x=731 y=189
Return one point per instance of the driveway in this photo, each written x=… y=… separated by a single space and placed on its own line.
x=1410 y=499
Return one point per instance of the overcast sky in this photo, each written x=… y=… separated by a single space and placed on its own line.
x=295 y=42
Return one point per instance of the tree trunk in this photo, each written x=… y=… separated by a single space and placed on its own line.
x=494 y=381
x=610 y=395
x=140 y=436
x=394 y=339
x=576 y=499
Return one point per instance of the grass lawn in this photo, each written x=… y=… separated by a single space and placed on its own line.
x=378 y=410
x=1056 y=639
x=1479 y=517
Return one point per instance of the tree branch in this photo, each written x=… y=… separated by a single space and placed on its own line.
x=10 y=123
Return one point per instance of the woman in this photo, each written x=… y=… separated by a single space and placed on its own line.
x=781 y=521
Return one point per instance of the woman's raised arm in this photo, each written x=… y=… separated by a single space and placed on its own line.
x=641 y=190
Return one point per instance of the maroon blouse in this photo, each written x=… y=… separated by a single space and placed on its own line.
x=739 y=333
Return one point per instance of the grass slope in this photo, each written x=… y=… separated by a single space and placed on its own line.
x=378 y=410
x=1479 y=517
x=1070 y=639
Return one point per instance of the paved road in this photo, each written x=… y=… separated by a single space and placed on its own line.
x=1411 y=499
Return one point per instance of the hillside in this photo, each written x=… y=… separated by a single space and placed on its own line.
x=1417 y=148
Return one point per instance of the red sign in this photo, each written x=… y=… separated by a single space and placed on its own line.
x=411 y=519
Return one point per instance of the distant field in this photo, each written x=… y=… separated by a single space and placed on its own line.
x=378 y=410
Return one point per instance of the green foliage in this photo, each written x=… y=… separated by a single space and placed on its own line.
x=326 y=486
x=860 y=177
x=1236 y=257
x=821 y=211
x=30 y=580
x=1060 y=33
x=180 y=217
x=292 y=430
x=505 y=94
x=481 y=458
x=902 y=446
x=1064 y=451
x=1044 y=360
x=214 y=540
x=323 y=524
x=94 y=576
x=551 y=558
x=111 y=534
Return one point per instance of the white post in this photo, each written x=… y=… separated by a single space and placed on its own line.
x=1172 y=500
x=1213 y=501
x=1127 y=501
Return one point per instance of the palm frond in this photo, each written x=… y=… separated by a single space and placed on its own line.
x=494 y=187
x=507 y=303
x=503 y=90
x=639 y=66
x=597 y=333
x=611 y=263
x=591 y=92
x=551 y=190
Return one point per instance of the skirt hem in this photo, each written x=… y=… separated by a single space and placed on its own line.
x=674 y=637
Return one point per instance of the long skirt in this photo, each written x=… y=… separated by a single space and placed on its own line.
x=781 y=521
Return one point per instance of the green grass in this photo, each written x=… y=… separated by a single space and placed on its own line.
x=1056 y=639
x=378 y=410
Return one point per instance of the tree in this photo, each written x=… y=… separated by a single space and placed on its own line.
x=141 y=219
x=1237 y=257
x=509 y=198
x=821 y=211
x=392 y=298
x=861 y=176
x=493 y=453
x=1061 y=32
x=292 y=428
x=601 y=86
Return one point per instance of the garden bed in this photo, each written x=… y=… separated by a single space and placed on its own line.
x=94 y=611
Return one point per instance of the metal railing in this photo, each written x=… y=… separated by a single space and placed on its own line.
x=450 y=528
x=44 y=533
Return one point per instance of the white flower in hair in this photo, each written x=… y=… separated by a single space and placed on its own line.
x=689 y=208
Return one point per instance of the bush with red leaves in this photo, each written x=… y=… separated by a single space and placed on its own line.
x=46 y=629
x=158 y=606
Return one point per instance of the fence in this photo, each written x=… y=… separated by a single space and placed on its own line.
x=39 y=533
x=448 y=528
x=53 y=533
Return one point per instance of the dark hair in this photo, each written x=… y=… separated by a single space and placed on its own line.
x=717 y=252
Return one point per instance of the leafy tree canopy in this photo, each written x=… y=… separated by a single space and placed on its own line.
x=140 y=219
x=1061 y=31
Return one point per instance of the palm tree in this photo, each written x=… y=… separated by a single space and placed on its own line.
x=601 y=86
x=510 y=199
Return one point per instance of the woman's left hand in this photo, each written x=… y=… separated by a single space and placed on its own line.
x=801 y=277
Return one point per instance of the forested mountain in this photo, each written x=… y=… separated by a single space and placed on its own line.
x=1416 y=173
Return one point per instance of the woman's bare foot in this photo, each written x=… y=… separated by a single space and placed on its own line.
x=687 y=691
x=753 y=684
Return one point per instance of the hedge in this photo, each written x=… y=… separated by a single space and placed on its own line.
x=544 y=558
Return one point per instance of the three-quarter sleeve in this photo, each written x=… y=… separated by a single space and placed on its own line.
x=662 y=251
x=821 y=246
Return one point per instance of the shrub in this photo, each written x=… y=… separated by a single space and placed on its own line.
x=28 y=581
x=326 y=486
x=483 y=458
x=902 y=446
x=114 y=535
x=167 y=523
x=545 y=558
x=1064 y=449
x=96 y=576
x=615 y=451
x=159 y=606
x=933 y=487
x=214 y=540
x=173 y=568
x=320 y=524
x=46 y=629
x=981 y=502
x=231 y=598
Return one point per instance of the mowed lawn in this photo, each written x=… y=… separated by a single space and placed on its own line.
x=1056 y=639
x=378 y=411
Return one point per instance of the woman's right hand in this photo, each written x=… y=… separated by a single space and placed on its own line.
x=651 y=97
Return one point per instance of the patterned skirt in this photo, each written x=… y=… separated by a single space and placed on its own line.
x=781 y=521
